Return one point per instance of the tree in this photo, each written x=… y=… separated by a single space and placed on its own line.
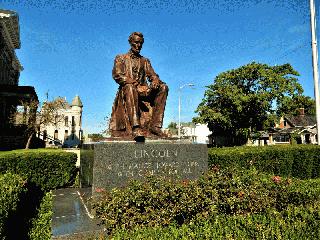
x=105 y=126
x=173 y=128
x=33 y=115
x=96 y=137
x=290 y=106
x=244 y=100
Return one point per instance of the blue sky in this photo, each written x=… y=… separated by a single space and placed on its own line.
x=68 y=47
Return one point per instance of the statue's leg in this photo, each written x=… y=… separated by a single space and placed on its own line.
x=159 y=104
x=130 y=96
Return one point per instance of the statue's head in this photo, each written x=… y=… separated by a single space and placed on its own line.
x=136 y=41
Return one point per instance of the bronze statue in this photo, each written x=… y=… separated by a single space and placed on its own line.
x=139 y=106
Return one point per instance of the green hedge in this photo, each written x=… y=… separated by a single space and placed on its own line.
x=293 y=223
x=41 y=224
x=161 y=202
x=301 y=161
x=46 y=169
x=12 y=187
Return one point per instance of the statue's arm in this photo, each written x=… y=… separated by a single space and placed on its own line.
x=150 y=73
x=119 y=70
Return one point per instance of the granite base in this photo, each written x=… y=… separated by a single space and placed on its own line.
x=109 y=165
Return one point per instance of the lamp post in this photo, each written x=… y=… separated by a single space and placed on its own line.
x=315 y=64
x=179 y=123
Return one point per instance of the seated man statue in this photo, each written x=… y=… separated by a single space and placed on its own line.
x=139 y=106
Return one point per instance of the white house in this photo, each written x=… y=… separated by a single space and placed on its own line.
x=202 y=133
x=198 y=133
x=68 y=132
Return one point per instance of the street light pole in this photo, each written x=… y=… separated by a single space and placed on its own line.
x=179 y=122
x=315 y=64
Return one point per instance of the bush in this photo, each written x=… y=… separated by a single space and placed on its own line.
x=46 y=169
x=301 y=161
x=41 y=224
x=11 y=189
x=293 y=223
x=154 y=202
x=161 y=202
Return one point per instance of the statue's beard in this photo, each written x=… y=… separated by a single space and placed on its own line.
x=135 y=50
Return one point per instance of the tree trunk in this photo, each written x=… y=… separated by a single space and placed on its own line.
x=29 y=141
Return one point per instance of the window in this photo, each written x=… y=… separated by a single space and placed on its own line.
x=55 y=134
x=282 y=138
x=73 y=121
x=66 y=121
x=66 y=135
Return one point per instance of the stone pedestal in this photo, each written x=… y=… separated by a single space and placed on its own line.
x=105 y=166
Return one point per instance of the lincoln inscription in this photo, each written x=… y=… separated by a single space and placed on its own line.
x=154 y=153
x=150 y=168
x=115 y=164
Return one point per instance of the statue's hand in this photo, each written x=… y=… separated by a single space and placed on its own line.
x=143 y=90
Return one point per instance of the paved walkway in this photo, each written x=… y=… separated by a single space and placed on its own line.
x=71 y=218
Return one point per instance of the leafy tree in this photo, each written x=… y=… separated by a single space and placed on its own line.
x=173 y=125
x=290 y=106
x=173 y=128
x=244 y=100
x=105 y=125
x=33 y=115
x=96 y=137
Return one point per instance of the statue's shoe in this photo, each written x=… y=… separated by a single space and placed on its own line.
x=157 y=131
x=137 y=132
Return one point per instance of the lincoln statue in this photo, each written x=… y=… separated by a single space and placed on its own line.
x=140 y=102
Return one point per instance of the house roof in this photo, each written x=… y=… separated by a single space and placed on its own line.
x=76 y=101
x=309 y=130
x=18 y=92
x=10 y=20
x=299 y=130
x=301 y=120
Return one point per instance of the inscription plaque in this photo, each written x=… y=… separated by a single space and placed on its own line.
x=108 y=165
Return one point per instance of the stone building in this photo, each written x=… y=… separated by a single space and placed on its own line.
x=67 y=132
x=11 y=95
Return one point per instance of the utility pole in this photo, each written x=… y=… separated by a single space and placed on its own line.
x=179 y=107
x=315 y=64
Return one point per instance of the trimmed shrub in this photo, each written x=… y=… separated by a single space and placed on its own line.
x=41 y=224
x=301 y=161
x=12 y=187
x=293 y=223
x=161 y=202
x=46 y=169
